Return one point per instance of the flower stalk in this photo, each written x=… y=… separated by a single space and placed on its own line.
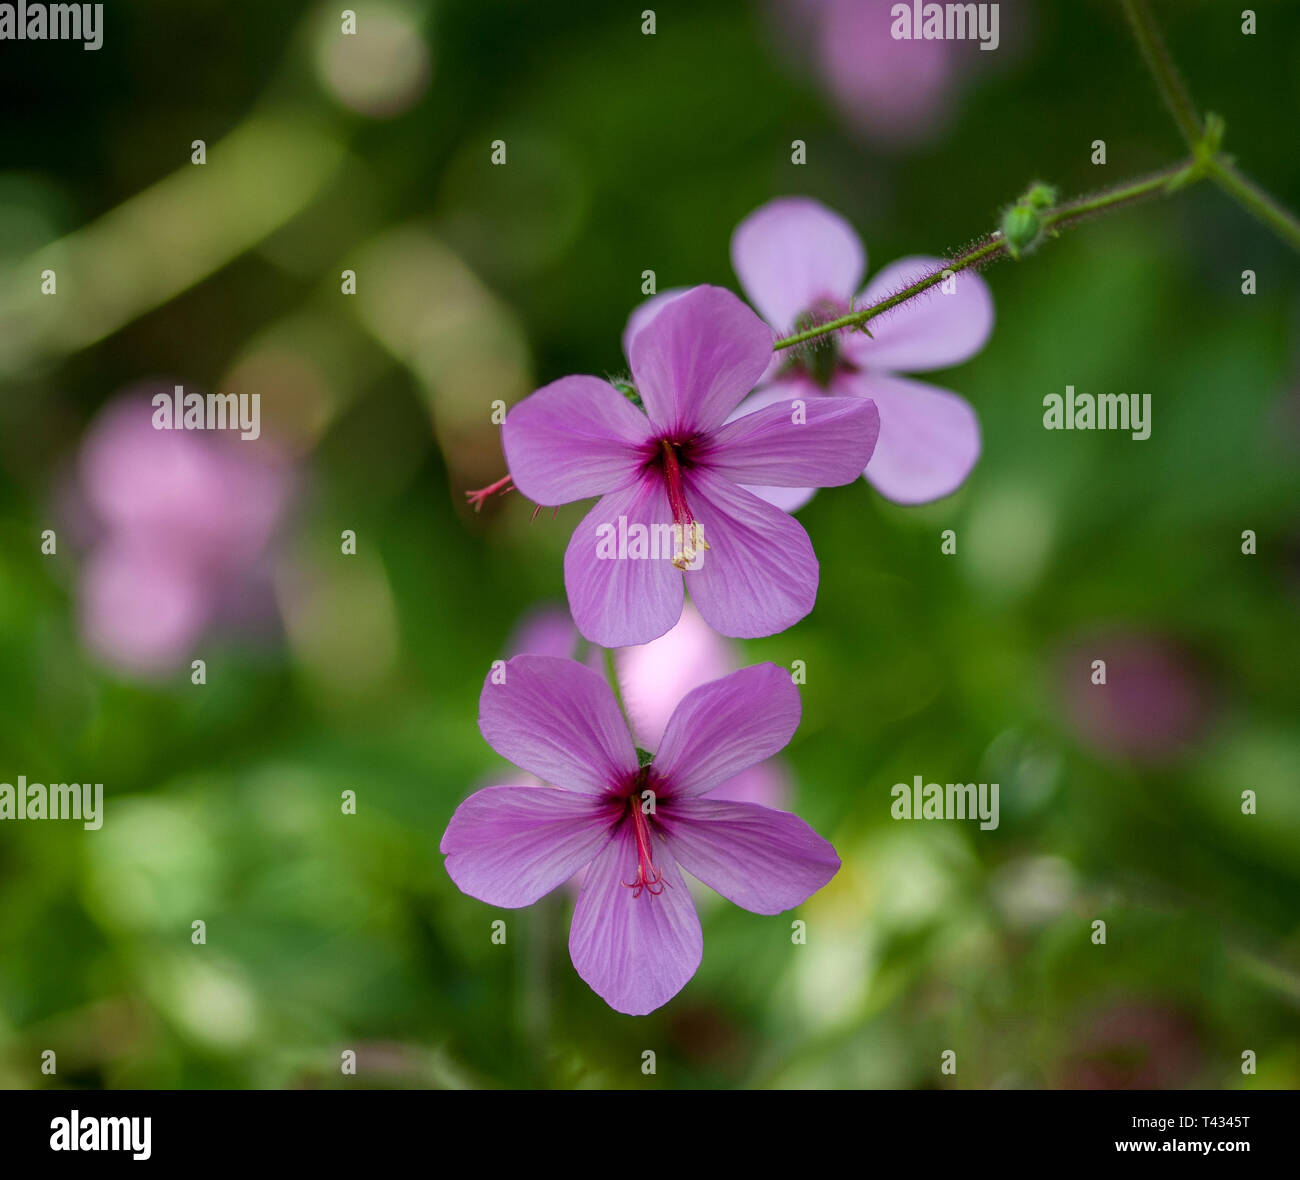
x=1028 y=222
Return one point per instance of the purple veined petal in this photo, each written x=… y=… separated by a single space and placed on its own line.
x=646 y=311
x=655 y=676
x=636 y=953
x=508 y=846
x=806 y=442
x=792 y=254
x=621 y=600
x=697 y=358
x=765 y=861
x=932 y=331
x=557 y=720
x=574 y=438
x=767 y=785
x=929 y=438
x=725 y=727
x=759 y=574
x=779 y=389
x=782 y=389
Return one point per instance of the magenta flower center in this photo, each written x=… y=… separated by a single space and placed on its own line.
x=821 y=359
x=672 y=457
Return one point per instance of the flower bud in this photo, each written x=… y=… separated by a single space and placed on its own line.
x=1021 y=229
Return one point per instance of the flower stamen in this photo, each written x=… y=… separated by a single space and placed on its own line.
x=649 y=878
x=688 y=533
x=478 y=496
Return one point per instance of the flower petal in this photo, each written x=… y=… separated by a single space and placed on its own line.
x=781 y=389
x=759 y=574
x=932 y=331
x=767 y=784
x=508 y=846
x=807 y=442
x=574 y=438
x=620 y=600
x=656 y=676
x=929 y=438
x=636 y=953
x=726 y=726
x=786 y=499
x=765 y=861
x=646 y=311
x=793 y=253
x=557 y=720
x=695 y=360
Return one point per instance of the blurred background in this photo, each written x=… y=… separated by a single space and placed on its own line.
x=328 y=673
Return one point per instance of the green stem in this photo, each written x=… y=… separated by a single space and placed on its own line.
x=1204 y=135
x=611 y=674
x=1204 y=138
x=1167 y=79
x=1165 y=181
x=1255 y=200
x=987 y=251
x=994 y=246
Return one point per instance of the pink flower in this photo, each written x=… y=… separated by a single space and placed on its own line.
x=181 y=523
x=801 y=264
x=635 y=937
x=892 y=92
x=680 y=467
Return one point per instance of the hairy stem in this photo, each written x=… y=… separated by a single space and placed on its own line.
x=1256 y=201
x=1203 y=135
x=1167 y=79
x=993 y=247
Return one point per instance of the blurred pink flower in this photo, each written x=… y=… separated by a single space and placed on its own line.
x=895 y=93
x=656 y=676
x=549 y=631
x=180 y=522
x=1132 y=1046
x=1154 y=705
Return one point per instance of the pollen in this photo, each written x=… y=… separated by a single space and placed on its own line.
x=688 y=533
